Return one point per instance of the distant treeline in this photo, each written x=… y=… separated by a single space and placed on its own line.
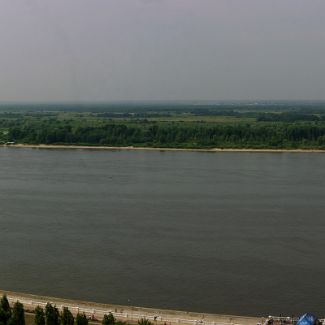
x=289 y=117
x=208 y=107
x=168 y=134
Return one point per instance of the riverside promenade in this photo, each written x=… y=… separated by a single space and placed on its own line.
x=130 y=314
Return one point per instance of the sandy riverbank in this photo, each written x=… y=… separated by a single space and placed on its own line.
x=131 y=314
x=45 y=146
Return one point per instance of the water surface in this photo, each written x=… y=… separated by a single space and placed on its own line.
x=238 y=233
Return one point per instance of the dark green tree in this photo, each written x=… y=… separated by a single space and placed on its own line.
x=81 y=319
x=2 y=317
x=39 y=316
x=5 y=310
x=67 y=317
x=109 y=319
x=4 y=303
x=18 y=315
x=52 y=316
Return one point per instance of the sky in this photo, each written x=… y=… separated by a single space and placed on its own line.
x=112 y=50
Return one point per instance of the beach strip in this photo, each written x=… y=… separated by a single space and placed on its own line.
x=216 y=150
x=129 y=314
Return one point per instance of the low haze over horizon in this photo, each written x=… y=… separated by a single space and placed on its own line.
x=117 y=50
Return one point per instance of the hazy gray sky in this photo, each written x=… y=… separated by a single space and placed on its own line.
x=161 y=49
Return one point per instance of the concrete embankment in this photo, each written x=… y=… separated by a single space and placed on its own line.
x=130 y=314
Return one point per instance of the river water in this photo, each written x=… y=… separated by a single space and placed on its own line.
x=237 y=233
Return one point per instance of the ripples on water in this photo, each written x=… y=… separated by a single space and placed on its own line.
x=238 y=233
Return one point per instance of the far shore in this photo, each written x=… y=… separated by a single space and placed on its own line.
x=265 y=150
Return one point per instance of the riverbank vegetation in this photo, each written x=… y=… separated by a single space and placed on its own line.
x=51 y=316
x=294 y=126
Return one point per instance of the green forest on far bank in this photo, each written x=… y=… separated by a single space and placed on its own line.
x=224 y=126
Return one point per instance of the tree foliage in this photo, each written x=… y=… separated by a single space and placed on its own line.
x=81 y=319
x=67 y=317
x=18 y=315
x=109 y=319
x=263 y=134
x=5 y=310
x=39 y=316
x=52 y=316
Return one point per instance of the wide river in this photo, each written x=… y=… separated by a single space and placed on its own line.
x=237 y=233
